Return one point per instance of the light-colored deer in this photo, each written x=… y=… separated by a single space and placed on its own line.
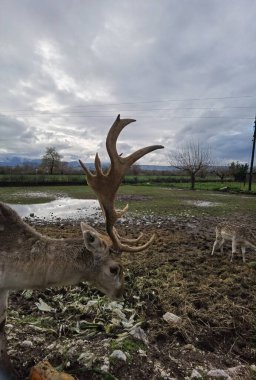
x=239 y=235
x=29 y=260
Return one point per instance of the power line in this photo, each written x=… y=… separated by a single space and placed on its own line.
x=158 y=117
x=46 y=113
x=83 y=112
x=157 y=101
x=86 y=115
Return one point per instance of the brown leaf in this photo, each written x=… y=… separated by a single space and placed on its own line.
x=45 y=371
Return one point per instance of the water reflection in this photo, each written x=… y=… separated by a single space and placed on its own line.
x=64 y=208
x=203 y=203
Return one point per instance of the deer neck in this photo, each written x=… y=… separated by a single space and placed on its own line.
x=43 y=262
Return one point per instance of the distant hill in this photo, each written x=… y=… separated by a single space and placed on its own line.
x=157 y=168
x=16 y=160
x=76 y=165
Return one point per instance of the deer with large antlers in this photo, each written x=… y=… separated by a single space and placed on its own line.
x=29 y=260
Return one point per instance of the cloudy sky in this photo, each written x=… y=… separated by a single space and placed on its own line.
x=184 y=69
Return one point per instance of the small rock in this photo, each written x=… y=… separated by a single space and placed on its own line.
x=189 y=347
x=118 y=313
x=171 y=318
x=51 y=346
x=138 y=333
x=87 y=359
x=26 y=343
x=118 y=354
x=218 y=374
x=31 y=215
x=142 y=353
x=9 y=326
x=196 y=375
x=105 y=365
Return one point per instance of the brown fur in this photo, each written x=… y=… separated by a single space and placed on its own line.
x=238 y=234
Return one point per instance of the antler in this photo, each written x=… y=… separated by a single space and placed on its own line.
x=105 y=185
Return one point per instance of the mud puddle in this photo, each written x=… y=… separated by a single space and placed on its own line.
x=65 y=208
x=203 y=203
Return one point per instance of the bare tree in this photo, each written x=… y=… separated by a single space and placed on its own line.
x=51 y=160
x=221 y=171
x=192 y=158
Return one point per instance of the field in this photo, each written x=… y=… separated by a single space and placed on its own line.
x=143 y=199
x=213 y=298
x=210 y=182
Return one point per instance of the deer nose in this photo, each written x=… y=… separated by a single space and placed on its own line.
x=114 y=269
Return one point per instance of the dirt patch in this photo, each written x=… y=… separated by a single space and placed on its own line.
x=214 y=299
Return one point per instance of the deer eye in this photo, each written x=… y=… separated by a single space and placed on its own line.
x=114 y=269
x=91 y=238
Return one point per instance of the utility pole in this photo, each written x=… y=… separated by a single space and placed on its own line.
x=252 y=158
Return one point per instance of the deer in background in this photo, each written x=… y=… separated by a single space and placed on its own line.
x=29 y=260
x=237 y=234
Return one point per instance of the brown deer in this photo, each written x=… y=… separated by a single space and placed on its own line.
x=238 y=234
x=29 y=260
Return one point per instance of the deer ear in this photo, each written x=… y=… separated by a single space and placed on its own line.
x=87 y=227
x=93 y=240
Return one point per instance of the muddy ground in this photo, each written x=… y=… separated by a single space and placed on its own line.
x=215 y=300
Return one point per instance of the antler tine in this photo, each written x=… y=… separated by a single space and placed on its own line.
x=116 y=159
x=128 y=240
x=87 y=171
x=127 y=248
x=106 y=184
x=112 y=137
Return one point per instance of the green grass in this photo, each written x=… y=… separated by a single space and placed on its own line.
x=178 y=181
x=34 y=179
x=213 y=185
x=129 y=345
x=149 y=200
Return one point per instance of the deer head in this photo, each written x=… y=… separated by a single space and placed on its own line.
x=105 y=185
x=107 y=274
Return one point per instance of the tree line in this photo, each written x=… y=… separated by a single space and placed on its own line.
x=192 y=160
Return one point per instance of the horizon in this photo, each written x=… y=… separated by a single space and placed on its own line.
x=16 y=161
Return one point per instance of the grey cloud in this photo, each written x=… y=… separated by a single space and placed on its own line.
x=62 y=62
x=13 y=129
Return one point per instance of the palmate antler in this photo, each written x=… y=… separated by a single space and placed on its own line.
x=105 y=185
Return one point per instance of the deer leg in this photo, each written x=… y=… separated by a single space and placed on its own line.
x=221 y=245
x=214 y=246
x=3 y=308
x=243 y=252
x=5 y=365
x=233 y=247
x=218 y=243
